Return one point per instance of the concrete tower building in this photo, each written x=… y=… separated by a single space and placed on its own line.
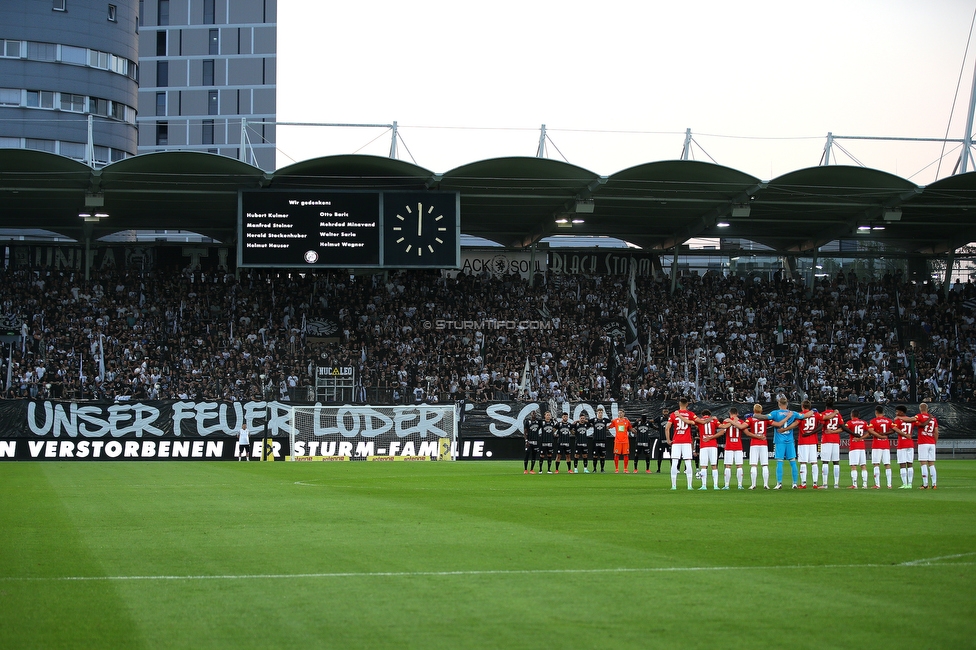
x=69 y=77
x=208 y=65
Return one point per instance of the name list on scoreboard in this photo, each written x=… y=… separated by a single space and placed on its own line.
x=295 y=229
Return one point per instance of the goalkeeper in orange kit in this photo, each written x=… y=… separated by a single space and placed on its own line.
x=621 y=440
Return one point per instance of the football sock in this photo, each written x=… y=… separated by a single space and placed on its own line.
x=557 y=464
x=836 y=476
x=752 y=473
x=765 y=475
x=854 y=477
x=625 y=463
x=616 y=462
x=728 y=476
x=864 y=477
x=911 y=475
x=903 y=474
x=689 y=474
x=888 y=475
x=877 y=475
x=548 y=463
x=738 y=476
x=674 y=474
x=925 y=475
x=715 y=478
x=826 y=473
x=803 y=474
x=794 y=470
x=932 y=474
x=584 y=463
x=779 y=471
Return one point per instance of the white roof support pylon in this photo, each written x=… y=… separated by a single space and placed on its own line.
x=686 y=149
x=966 y=156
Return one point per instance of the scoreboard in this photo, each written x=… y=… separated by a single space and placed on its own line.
x=348 y=229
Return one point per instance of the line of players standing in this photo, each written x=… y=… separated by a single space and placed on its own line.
x=547 y=439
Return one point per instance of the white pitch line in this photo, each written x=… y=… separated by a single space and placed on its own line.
x=932 y=560
x=484 y=572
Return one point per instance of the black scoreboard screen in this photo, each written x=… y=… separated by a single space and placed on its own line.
x=345 y=229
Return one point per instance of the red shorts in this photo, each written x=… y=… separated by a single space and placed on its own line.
x=621 y=448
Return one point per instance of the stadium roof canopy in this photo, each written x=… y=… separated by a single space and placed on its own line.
x=513 y=201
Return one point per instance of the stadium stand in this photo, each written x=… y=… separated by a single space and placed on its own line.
x=214 y=335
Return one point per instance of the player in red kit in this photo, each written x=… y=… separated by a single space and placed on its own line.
x=833 y=424
x=806 y=446
x=732 y=428
x=677 y=432
x=759 y=446
x=620 y=426
x=708 y=448
x=905 y=446
x=857 y=456
x=880 y=428
x=928 y=436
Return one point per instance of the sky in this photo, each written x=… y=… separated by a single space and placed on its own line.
x=759 y=83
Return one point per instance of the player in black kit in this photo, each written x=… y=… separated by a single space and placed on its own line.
x=582 y=443
x=600 y=427
x=530 y=429
x=642 y=436
x=547 y=435
x=564 y=443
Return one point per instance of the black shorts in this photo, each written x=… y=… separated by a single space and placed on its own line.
x=642 y=449
x=581 y=449
x=600 y=449
x=531 y=445
x=545 y=450
x=563 y=449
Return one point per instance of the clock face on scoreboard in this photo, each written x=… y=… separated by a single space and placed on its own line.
x=420 y=229
x=348 y=229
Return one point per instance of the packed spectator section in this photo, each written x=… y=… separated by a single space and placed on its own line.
x=421 y=336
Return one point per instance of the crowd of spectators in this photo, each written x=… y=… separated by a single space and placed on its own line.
x=421 y=335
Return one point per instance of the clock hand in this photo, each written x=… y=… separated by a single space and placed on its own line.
x=420 y=219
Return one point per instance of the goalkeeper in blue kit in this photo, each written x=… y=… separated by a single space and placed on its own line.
x=784 y=421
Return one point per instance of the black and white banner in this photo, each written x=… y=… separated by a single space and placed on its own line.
x=187 y=430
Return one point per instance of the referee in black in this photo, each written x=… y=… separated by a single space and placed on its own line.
x=530 y=429
x=564 y=443
x=582 y=443
x=547 y=435
x=601 y=424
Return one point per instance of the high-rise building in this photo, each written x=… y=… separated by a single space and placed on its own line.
x=206 y=66
x=69 y=77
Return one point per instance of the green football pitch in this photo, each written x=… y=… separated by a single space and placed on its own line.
x=467 y=554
